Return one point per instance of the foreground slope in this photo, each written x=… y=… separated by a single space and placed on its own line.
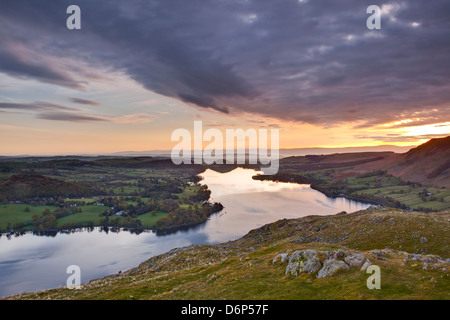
x=411 y=248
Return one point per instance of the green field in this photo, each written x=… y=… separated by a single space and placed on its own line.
x=438 y=200
x=15 y=213
x=89 y=214
x=148 y=220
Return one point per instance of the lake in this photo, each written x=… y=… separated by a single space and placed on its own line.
x=29 y=262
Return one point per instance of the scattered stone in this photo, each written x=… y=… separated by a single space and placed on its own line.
x=308 y=239
x=331 y=266
x=379 y=254
x=341 y=213
x=365 y=265
x=423 y=240
x=378 y=220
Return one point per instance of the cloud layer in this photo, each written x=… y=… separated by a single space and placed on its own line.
x=306 y=61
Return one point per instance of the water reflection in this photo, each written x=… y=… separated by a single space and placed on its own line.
x=30 y=262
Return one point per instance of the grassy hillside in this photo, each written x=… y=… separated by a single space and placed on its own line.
x=409 y=247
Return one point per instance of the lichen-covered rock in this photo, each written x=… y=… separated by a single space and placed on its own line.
x=303 y=261
x=312 y=265
x=355 y=259
x=330 y=266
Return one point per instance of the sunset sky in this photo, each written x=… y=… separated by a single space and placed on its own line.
x=137 y=70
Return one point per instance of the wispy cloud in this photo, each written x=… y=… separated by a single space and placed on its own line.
x=36 y=106
x=135 y=118
x=70 y=117
x=85 y=101
x=19 y=60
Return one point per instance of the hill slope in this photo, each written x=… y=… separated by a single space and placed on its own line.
x=428 y=164
x=411 y=249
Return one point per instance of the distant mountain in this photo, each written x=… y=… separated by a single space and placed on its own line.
x=283 y=152
x=326 y=151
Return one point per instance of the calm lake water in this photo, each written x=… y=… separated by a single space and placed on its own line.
x=30 y=263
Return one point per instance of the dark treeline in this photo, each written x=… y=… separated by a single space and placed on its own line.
x=30 y=187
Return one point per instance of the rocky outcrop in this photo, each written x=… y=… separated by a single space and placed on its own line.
x=309 y=261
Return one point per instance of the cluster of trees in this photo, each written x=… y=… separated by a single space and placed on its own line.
x=47 y=220
x=160 y=188
x=183 y=217
x=128 y=223
x=121 y=204
x=202 y=194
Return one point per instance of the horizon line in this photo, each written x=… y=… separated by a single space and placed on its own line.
x=168 y=151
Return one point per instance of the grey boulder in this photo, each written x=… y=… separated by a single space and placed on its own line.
x=331 y=266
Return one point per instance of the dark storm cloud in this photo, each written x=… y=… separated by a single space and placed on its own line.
x=307 y=61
